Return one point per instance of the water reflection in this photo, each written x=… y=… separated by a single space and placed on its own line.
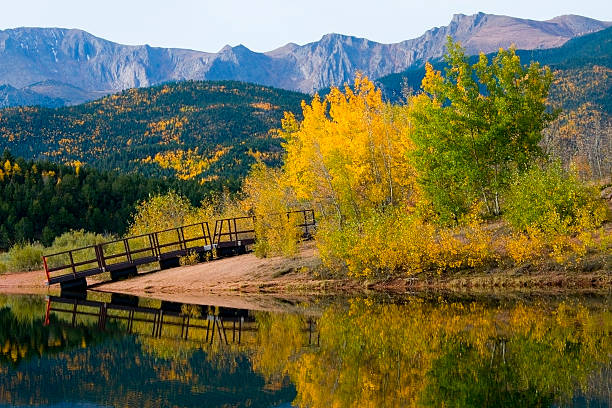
x=126 y=351
x=201 y=322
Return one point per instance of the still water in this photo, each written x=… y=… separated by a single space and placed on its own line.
x=102 y=350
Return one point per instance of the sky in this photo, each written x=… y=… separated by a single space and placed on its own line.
x=263 y=25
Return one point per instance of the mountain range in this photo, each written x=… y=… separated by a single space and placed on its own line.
x=54 y=66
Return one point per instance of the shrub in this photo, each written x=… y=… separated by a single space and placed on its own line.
x=191 y=258
x=77 y=239
x=552 y=201
x=276 y=235
x=269 y=198
x=3 y=263
x=22 y=257
x=161 y=212
x=526 y=246
x=395 y=242
x=74 y=240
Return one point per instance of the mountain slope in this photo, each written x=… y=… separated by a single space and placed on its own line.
x=10 y=96
x=207 y=131
x=94 y=66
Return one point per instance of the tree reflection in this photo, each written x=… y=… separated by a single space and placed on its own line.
x=452 y=355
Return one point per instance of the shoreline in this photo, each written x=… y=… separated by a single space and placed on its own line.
x=298 y=277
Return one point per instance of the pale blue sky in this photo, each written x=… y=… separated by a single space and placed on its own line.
x=267 y=24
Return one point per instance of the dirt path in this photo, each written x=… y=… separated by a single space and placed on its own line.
x=245 y=274
x=245 y=282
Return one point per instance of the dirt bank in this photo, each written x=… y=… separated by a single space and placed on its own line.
x=245 y=274
x=300 y=275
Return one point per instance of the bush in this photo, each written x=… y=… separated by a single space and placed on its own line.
x=161 y=212
x=77 y=239
x=3 y=263
x=22 y=257
x=526 y=246
x=269 y=198
x=74 y=240
x=277 y=235
x=552 y=201
x=394 y=242
x=192 y=258
x=28 y=257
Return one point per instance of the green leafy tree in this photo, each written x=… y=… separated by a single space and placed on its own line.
x=475 y=126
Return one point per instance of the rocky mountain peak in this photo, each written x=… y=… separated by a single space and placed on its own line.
x=226 y=48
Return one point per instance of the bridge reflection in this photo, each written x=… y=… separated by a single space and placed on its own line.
x=161 y=319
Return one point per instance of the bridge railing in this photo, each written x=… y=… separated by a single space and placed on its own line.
x=178 y=321
x=233 y=232
x=135 y=250
x=179 y=241
x=305 y=220
x=158 y=322
x=75 y=263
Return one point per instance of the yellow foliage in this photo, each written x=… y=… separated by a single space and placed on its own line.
x=191 y=258
x=161 y=212
x=170 y=130
x=270 y=198
x=528 y=246
x=264 y=106
x=348 y=154
x=399 y=242
x=373 y=355
x=10 y=169
x=187 y=164
x=535 y=245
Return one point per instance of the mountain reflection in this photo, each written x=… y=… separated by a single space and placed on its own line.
x=125 y=351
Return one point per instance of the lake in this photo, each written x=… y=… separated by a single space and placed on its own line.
x=111 y=350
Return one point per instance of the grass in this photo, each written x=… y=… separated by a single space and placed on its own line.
x=3 y=263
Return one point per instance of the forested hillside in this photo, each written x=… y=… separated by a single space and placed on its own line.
x=40 y=200
x=202 y=131
x=582 y=89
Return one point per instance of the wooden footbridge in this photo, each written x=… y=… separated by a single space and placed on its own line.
x=122 y=257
